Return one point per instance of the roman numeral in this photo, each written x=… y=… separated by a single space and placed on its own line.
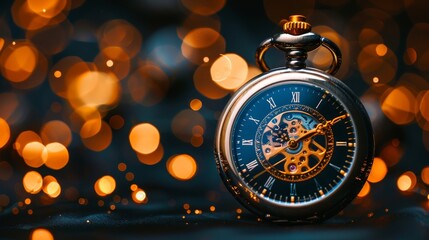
x=251 y=165
x=269 y=183
x=271 y=102
x=340 y=144
x=295 y=97
x=292 y=189
x=256 y=121
x=245 y=142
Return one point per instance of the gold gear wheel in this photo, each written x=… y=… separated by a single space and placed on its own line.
x=296 y=25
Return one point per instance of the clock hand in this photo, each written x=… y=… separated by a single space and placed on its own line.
x=318 y=130
x=268 y=168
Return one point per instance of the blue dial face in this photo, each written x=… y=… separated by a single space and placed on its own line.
x=293 y=143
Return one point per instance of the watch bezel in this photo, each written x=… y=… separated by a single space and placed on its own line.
x=311 y=211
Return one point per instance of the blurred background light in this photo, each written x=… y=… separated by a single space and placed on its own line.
x=105 y=185
x=144 y=138
x=182 y=167
x=229 y=71
x=32 y=182
x=41 y=234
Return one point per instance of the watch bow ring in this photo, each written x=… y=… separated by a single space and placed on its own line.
x=294 y=144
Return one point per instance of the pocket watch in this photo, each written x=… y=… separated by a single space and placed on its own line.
x=294 y=144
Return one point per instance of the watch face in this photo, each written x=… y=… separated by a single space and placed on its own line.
x=293 y=143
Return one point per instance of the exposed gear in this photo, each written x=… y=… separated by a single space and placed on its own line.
x=286 y=138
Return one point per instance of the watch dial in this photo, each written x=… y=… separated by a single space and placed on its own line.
x=293 y=143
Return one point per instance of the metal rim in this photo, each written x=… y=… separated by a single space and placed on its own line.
x=313 y=211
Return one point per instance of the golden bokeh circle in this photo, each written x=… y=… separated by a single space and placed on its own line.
x=144 y=138
x=182 y=167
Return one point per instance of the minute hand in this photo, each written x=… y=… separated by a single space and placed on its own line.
x=319 y=129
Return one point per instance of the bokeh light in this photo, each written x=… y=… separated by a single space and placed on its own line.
x=144 y=138
x=51 y=186
x=113 y=59
x=399 y=105
x=101 y=140
x=32 y=14
x=119 y=83
x=424 y=105
x=322 y=58
x=195 y=104
x=204 y=84
x=229 y=71
x=19 y=61
x=425 y=175
x=11 y=107
x=407 y=181
x=57 y=156
x=105 y=185
x=153 y=157
x=56 y=131
x=47 y=9
x=41 y=234
x=208 y=7
x=91 y=126
x=4 y=132
x=24 y=138
x=32 y=182
x=182 y=167
x=378 y=171
x=365 y=190
x=417 y=42
x=34 y=154
x=139 y=196
x=120 y=33
x=201 y=43
x=94 y=89
x=373 y=64
x=63 y=72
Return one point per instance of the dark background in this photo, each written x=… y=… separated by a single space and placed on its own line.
x=385 y=211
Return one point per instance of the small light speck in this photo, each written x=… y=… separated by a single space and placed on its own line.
x=109 y=63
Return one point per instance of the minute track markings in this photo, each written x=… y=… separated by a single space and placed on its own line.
x=255 y=174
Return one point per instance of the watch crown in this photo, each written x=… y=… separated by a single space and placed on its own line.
x=296 y=25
